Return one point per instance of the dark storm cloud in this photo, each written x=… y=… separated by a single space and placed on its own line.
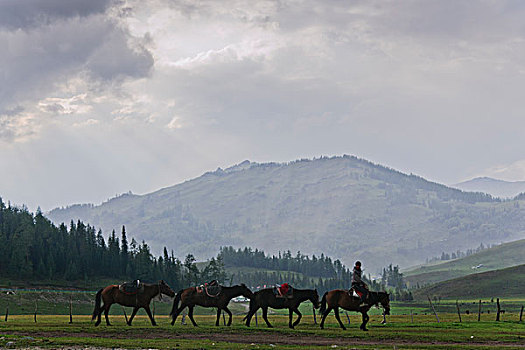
x=21 y=14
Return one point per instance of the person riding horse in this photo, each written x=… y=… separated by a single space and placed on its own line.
x=357 y=283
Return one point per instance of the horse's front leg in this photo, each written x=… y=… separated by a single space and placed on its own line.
x=148 y=311
x=299 y=314
x=190 y=315
x=135 y=309
x=229 y=314
x=290 y=318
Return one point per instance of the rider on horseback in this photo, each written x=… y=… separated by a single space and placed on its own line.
x=358 y=284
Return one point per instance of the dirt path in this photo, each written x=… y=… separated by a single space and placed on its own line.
x=266 y=338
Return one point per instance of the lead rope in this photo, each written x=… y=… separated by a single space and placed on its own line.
x=160 y=293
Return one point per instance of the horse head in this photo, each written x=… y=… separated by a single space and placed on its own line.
x=384 y=299
x=315 y=299
x=165 y=289
x=246 y=292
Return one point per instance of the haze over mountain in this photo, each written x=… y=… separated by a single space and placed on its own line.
x=345 y=207
x=494 y=187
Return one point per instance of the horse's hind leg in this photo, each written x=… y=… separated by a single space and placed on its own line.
x=299 y=316
x=99 y=316
x=336 y=311
x=218 y=316
x=229 y=314
x=248 y=317
x=135 y=309
x=106 y=312
x=265 y=316
x=324 y=317
x=190 y=315
x=148 y=311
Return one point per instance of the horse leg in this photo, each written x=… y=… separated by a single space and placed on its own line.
x=265 y=316
x=176 y=314
x=148 y=311
x=290 y=317
x=324 y=317
x=336 y=311
x=106 y=312
x=190 y=315
x=229 y=314
x=135 y=309
x=250 y=315
x=299 y=314
x=99 y=316
x=365 y=321
x=218 y=316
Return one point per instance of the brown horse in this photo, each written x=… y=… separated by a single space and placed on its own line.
x=190 y=297
x=337 y=298
x=111 y=295
x=266 y=298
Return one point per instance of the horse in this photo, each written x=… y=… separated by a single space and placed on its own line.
x=266 y=298
x=337 y=298
x=111 y=295
x=190 y=297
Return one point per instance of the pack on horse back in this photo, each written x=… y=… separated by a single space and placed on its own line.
x=131 y=288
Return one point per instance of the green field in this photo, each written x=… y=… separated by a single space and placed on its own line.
x=499 y=257
x=411 y=325
x=400 y=333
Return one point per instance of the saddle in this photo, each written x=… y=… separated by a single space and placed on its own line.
x=131 y=288
x=283 y=291
x=212 y=289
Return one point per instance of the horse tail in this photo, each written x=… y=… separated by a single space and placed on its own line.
x=322 y=309
x=176 y=302
x=98 y=308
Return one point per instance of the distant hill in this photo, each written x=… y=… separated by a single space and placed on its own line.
x=507 y=282
x=494 y=187
x=345 y=207
x=502 y=256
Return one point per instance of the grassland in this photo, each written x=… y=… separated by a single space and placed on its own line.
x=412 y=325
x=400 y=332
x=499 y=257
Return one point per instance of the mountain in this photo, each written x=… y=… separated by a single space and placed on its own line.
x=498 y=257
x=345 y=207
x=507 y=282
x=494 y=187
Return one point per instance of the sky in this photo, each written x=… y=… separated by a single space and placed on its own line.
x=102 y=97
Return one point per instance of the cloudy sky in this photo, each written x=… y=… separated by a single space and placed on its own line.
x=101 y=97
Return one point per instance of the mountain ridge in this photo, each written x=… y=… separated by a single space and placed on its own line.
x=494 y=187
x=343 y=206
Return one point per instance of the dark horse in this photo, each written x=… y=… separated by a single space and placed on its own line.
x=337 y=298
x=190 y=297
x=111 y=295
x=266 y=298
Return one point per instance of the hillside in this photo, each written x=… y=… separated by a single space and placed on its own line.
x=345 y=207
x=507 y=282
x=494 y=187
x=502 y=256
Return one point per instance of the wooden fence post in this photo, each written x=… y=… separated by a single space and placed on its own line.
x=479 y=311
x=6 y=312
x=459 y=313
x=256 y=325
x=223 y=318
x=431 y=305
x=70 y=309
x=315 y=318
x=153 y=309
x=347 y=317
x=499 y=309
x=384 y=318
x=36 y=309
x=412 y=316
x=521 y=313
